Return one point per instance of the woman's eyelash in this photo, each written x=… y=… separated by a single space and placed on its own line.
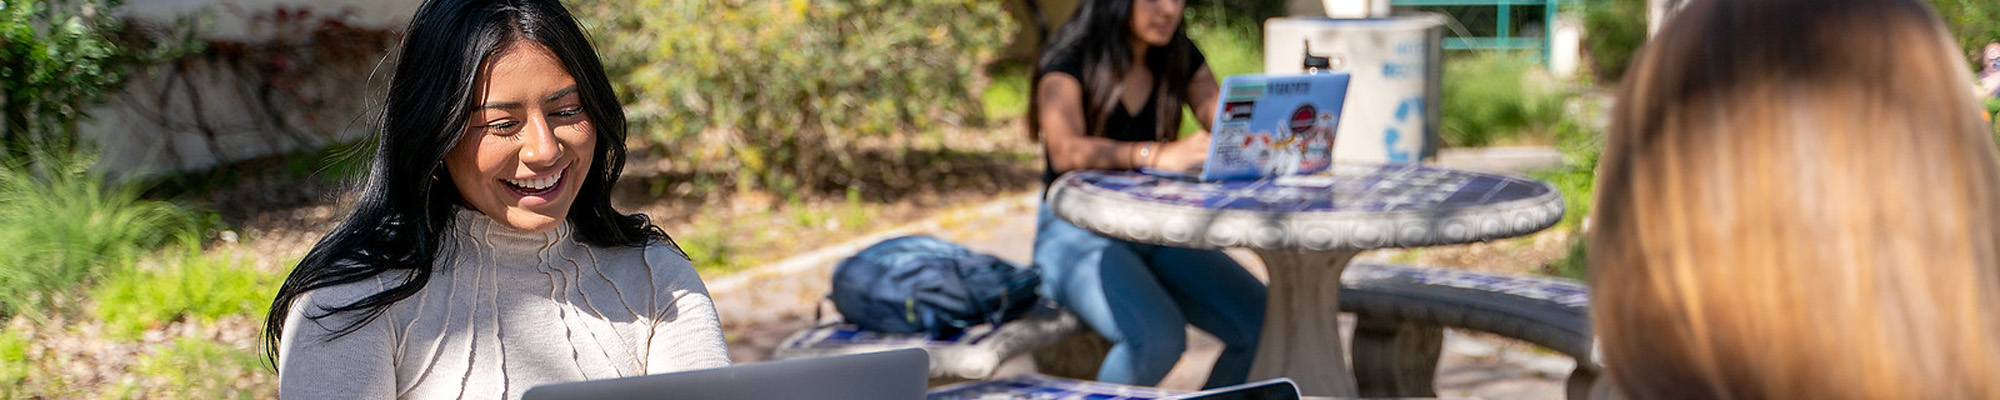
x=501 y=126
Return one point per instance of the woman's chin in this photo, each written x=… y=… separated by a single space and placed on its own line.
x=525 y=220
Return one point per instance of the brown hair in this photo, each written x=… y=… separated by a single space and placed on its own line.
x=1797 y=201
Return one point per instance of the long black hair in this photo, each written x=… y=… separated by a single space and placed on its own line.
x=1100 y=34
x=408 y=202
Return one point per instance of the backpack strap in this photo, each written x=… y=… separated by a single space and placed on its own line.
x=819 y=308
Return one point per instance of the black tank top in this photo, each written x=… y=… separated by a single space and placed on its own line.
x=1122 y=124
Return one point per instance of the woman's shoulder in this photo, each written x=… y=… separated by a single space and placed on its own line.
x=661 y=263
x=319 y=303
x=343 y=294
x=1067 y=60
x=663 y=255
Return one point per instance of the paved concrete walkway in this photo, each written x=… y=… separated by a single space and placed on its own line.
x=759 y=307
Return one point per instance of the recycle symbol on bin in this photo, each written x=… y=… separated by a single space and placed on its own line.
x=1409 y=118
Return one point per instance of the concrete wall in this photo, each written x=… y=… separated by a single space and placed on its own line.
x=262 y=88
x=235 y=19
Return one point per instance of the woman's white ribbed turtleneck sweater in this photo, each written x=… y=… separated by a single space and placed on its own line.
x=506 y=310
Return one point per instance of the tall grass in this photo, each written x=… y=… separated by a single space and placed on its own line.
x=13 y=363
x=1576 y=179
x=1231 y=46
x=63 y=224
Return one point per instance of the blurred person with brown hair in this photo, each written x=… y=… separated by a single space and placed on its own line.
x=1797 y=201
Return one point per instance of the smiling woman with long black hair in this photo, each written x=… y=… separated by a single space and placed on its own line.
x=1108 y=95
x=483 y=256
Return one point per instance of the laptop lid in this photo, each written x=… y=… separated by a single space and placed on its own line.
x=1268 y=125
x=1269 y=389
x=889 y=375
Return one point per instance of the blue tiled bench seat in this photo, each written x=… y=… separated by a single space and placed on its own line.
x=1401 y=310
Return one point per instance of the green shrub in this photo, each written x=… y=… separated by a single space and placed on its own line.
x=56 y=58
x=786 y=85
x=199 y=286
x=1231 y=45
x=1974 y=22
x=1007 y=96
x=1614 y=30
x=1576 y=179
x=1581 y=145
x=64 y=224
x=1992 y=114
x=1496 y=98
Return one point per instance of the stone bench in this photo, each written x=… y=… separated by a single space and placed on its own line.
x=1401 y=312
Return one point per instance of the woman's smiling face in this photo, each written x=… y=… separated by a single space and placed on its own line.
x=528 y=146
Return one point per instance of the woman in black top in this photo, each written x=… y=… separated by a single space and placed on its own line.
x=1108 y=95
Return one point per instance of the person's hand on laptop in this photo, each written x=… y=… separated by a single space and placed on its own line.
x=1182 y=155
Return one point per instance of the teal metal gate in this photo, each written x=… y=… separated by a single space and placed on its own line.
x=1504 y=38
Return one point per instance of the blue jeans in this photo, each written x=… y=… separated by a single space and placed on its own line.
x=1142 y=297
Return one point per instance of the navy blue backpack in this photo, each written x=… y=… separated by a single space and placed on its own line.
x=917 y=284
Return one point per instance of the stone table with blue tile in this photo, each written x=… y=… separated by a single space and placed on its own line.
x=1306 y=229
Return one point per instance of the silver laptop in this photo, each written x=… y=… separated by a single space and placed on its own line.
x=889 y=375
x=1269 y=389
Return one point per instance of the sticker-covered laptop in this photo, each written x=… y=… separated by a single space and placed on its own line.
x=1274 y=125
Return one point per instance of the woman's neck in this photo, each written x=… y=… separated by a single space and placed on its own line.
x=486 y=236
x=1139 y=49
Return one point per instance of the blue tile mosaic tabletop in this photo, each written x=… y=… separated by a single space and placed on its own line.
x=1042 y=387
x=1374 y=188
x=1351 y=207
